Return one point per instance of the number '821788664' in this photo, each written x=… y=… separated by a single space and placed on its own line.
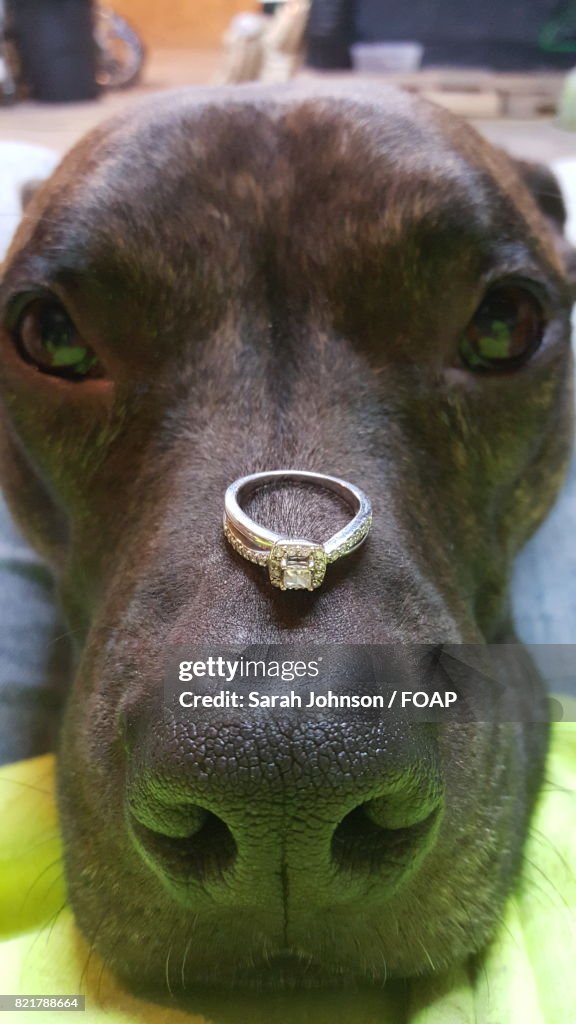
x=42 y=1002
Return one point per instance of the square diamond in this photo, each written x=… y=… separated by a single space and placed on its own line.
x=297 y=577
x=296 y=565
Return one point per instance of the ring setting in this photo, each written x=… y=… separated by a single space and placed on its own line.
x=293 y=563
x=296 y=565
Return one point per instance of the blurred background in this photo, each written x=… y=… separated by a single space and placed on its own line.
x=507 y=66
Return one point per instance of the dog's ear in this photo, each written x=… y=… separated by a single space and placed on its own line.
x=545 y=188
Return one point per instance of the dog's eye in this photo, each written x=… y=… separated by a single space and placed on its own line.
x=505 y=330
x=46 y=337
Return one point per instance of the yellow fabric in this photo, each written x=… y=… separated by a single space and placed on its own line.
x=528 y=976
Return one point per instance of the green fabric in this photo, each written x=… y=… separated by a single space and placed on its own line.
x=528 y=976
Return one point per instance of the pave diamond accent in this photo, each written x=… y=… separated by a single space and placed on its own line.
x=258 y=557
x=352 y=542
x=297 y=565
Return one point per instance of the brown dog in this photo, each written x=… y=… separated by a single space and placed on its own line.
x=230 y=281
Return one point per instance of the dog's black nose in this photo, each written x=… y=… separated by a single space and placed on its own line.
x=281 y=811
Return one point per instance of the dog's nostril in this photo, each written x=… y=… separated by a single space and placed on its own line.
x=377 y=835
x=402 y=810
x=206 y=850
x=178 y=820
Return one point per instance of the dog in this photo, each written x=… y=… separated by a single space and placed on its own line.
x=236 y=280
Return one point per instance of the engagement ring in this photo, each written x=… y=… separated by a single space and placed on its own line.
x=293 y=563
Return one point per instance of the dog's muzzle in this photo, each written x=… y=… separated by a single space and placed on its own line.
x=293 y=563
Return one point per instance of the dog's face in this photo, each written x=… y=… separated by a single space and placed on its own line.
x=242 y=281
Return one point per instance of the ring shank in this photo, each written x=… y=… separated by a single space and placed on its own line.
x=261 y=540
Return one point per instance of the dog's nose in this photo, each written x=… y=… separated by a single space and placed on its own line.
x=279 y=809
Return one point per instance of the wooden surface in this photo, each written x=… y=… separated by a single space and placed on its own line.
x=471 y=92
x=181 y=23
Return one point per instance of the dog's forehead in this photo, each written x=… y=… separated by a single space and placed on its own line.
x=257 y=151
x=252 y=150
x=229 y=176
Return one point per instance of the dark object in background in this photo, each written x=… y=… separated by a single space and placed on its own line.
x=515 y=36
x=521 y=35
x=330 y=34
x=271 y=7
x=56 y=47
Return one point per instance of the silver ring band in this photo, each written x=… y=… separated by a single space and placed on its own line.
x=293 y=563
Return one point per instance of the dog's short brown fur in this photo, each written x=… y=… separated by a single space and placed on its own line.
x=279 y=278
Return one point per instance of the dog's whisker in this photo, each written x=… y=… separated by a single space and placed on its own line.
x=384 y=962
x=185 y=956
x=427 y=954
x=66 y=635
x=554 y=787
x=539 y=888
x=91 y=950
x=104 y=967
x=167 y=972
x=54 y=920
x=58 y=860
x=484 y=970
x=51 y=836
x=537 y=834
x=27 y=785
x=513 y=938
x=47 y=926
